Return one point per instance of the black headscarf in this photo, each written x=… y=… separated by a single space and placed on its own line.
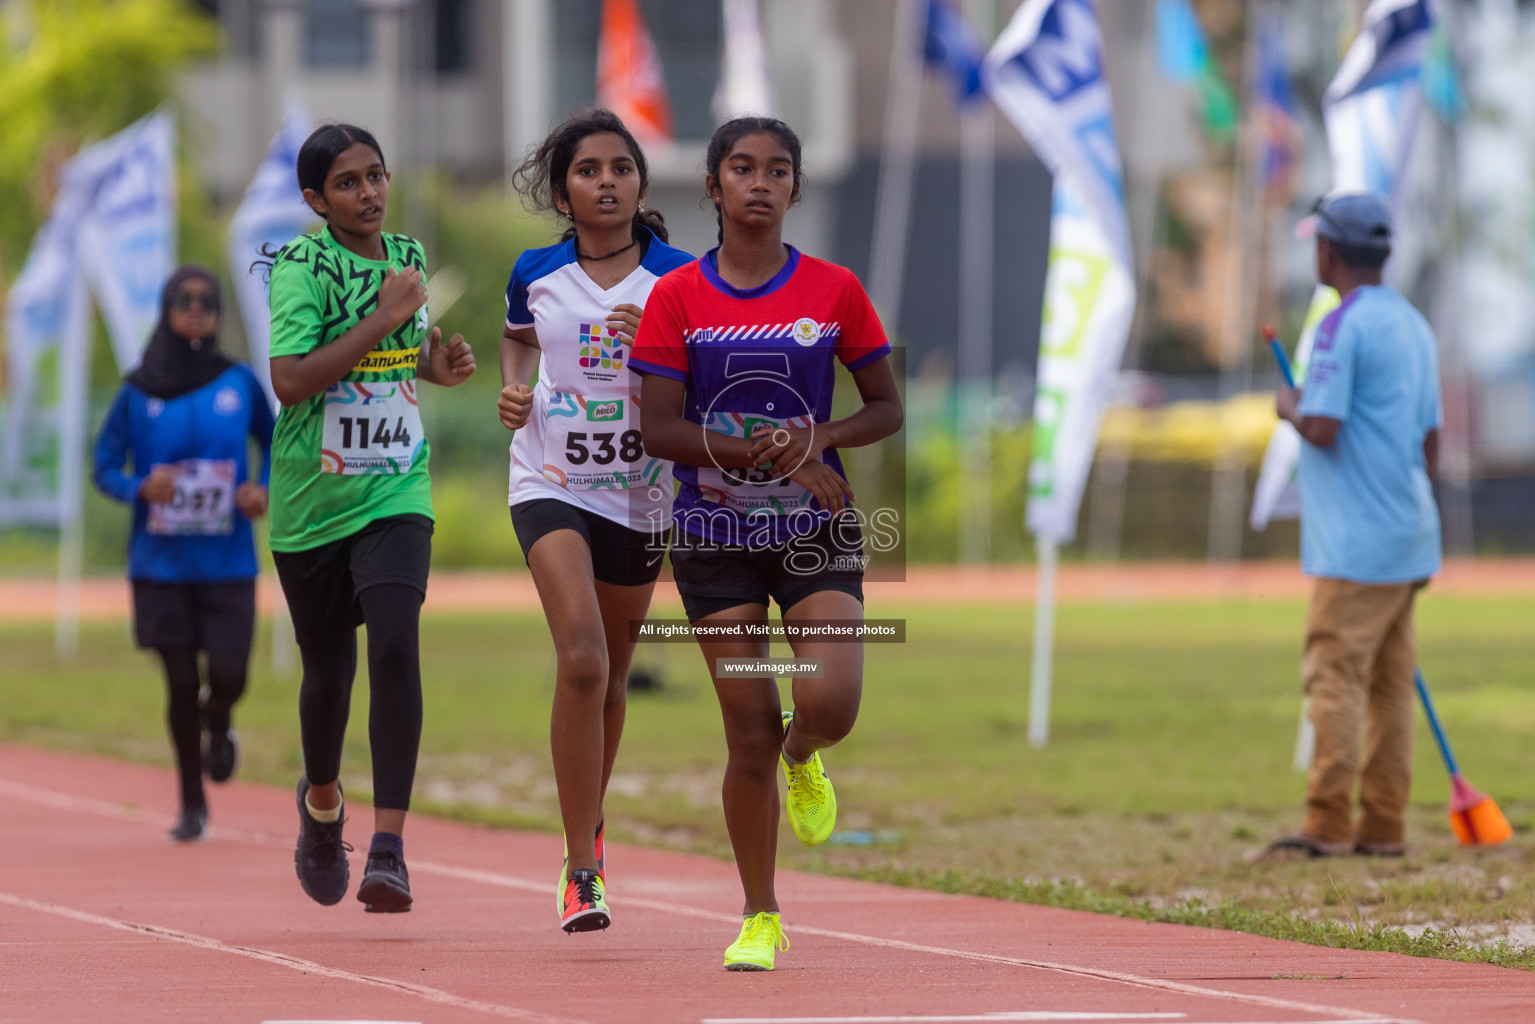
x=173 y=365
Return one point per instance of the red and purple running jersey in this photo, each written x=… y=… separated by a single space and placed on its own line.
x=750 y=357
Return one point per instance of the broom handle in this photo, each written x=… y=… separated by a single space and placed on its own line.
x=1433 y=722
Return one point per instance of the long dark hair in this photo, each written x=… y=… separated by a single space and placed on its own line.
x=541 y=176
x=315 y=159
x=319 y=152
x=733 y=131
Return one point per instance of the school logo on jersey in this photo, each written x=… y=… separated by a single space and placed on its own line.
x=226 y=402
x=605 y=412
x=806 y=331
x=599 y=352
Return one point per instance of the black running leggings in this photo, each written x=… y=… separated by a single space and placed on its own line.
x=392 y=613
x=226 y=682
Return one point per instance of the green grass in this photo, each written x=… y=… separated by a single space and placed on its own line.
x=1168 y=764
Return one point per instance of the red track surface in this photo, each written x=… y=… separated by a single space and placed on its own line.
x=36 y=599
x=102 y=920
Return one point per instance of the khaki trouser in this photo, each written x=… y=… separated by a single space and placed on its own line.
x=1358 y=671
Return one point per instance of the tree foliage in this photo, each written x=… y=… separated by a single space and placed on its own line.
x=72 y=72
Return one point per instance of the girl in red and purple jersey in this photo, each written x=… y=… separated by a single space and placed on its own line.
x=739 y=351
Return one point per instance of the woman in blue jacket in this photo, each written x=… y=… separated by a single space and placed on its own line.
x=175 y=446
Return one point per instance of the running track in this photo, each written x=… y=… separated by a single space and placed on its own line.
x=101 y=919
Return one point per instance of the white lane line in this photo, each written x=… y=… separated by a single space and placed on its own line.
x=329 y=1021
x=971 y=1018
x=66 y=801
x=435 y=995
x=1024 y=1015
x=512 y=882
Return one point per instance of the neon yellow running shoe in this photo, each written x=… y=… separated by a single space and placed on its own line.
x=760 y=939
x=586 y=908
x=812 y=803
x=559 y=887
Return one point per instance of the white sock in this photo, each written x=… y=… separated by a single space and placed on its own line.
x=326 y=817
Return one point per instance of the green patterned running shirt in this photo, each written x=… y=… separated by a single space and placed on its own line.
x=355 y=452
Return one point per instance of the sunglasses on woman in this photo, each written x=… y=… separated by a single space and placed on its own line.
x=195 y=300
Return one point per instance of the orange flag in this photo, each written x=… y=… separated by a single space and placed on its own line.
x=629 y=81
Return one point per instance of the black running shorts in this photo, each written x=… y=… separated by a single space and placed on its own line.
x=321 y=584
x=712 y=577
x=206 y=616
x=620 y=556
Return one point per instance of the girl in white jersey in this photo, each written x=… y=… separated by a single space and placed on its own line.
x=591 y=509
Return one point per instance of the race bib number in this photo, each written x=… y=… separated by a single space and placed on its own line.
x=751 y=490
x=371 y=428
x=204 y=502
x=593 y=444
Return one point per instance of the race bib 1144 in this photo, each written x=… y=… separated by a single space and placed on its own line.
x=371 y=428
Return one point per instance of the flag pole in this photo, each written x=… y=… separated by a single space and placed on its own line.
x=1229 y=474
x=977 y=219
x=892 y=209
x=74 y=377
x=1044 y=640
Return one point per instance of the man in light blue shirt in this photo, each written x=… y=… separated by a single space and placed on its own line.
x=1369 y=414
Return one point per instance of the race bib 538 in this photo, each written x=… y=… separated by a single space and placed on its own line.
x=593 y=444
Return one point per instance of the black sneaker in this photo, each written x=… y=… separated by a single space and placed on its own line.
x=385 y=887
x=220 y=755
x=191 y=827
x=320 y=857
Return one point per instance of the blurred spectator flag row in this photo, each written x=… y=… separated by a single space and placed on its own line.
x=111 y=236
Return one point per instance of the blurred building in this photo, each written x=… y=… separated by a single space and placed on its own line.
x=468 y=86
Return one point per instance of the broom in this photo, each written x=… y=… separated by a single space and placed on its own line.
x=1474 y=815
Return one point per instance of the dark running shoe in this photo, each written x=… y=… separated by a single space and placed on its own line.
x=191 y=827
x=385 y=887
x=221 y=754
x=320 y=857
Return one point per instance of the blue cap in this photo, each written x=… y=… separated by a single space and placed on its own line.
x=1360 y=219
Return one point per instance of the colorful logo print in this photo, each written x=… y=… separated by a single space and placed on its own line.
x=599 y=352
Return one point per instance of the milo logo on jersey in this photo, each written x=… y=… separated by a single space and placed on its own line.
x=605 y=412
x=601 y=354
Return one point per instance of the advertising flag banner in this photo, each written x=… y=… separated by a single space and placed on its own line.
x=1184 y=56
x=1371 y=113
x=127 y=240
x=950 y=44
x=272 y=214
x=629 y=78
x=1045 y=73
x=745 y=86
x=47 y=324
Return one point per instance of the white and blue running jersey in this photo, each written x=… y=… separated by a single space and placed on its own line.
x=581 y=443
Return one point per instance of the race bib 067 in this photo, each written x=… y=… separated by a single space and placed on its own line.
x=754 y=490
x=204 y=502
x=370 y=428
x=593 y=444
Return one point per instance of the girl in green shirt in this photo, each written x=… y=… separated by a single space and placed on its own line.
x=351 y=506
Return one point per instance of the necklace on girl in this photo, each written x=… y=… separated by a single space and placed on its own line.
x=607 y=256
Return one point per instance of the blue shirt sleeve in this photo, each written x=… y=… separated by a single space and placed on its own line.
x=1329 y=388
x=517 y=312
x=262 y=422
x=112 y=446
